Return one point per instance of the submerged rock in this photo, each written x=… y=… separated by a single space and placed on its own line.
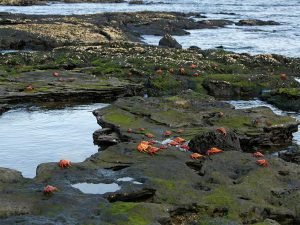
x=168 y=41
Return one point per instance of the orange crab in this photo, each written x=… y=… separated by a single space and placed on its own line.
x=143 y=146
x=193 y=66
x=153 y=150
x=179 y=140
x=262 y=162
x=49 y=189
x=64 y=163
x=196 y=156
x=258 y=154
x=212 y=151
x=149 y=135
x=222 y=130
x=167 y=133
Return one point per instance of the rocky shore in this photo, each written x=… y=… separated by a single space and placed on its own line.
x=156 y=94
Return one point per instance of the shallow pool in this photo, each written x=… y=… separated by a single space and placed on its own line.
x=32 y=136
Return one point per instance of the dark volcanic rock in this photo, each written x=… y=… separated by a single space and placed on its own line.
x=253 y=22
x=105 y=137
x=168 y=41
x=203 y=142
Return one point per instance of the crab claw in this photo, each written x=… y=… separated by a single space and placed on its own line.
x=258 y=154
x=262 y=162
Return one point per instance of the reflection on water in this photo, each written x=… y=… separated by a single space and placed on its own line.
x=34 y=136
x=101 y=188
x=243 y=104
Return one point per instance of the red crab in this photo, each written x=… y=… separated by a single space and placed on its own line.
x=29 y=87
x=149 y=135
x=55 y=74
x=173 y=143
x=179 y=131
x=185 y=147
x=258 y=154
x=49 y=189
x=222 y=130
x=196 y=156
x=163 y=147
x=64 y=163
x=129 y=130
x=181 y=71
x=262 y=162
x=167 y=133
x=193 y=66
x=159 y=72
x=179 y=140
x=196 y=75
x=283 y=76
x=212 y=151
x=153 y=150
x=143 y=146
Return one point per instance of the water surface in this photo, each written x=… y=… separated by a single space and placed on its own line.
x=33 y=136
x=283 y=39
x=101 y=188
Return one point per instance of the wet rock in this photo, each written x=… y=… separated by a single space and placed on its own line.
x=105 y=137
x=202 y=143
x=168 y=41
x=254 y=22
x=284 y=98
x=136 y=196
x=136 y=2
x=10 y=175
x=3 y=109
x=290 y=156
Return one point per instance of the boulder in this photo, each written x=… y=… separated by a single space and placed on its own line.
x=10 y=175
x=169 y=41
x=202 y=143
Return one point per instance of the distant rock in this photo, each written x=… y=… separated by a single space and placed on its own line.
x=254 y=22
x=169 y=41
